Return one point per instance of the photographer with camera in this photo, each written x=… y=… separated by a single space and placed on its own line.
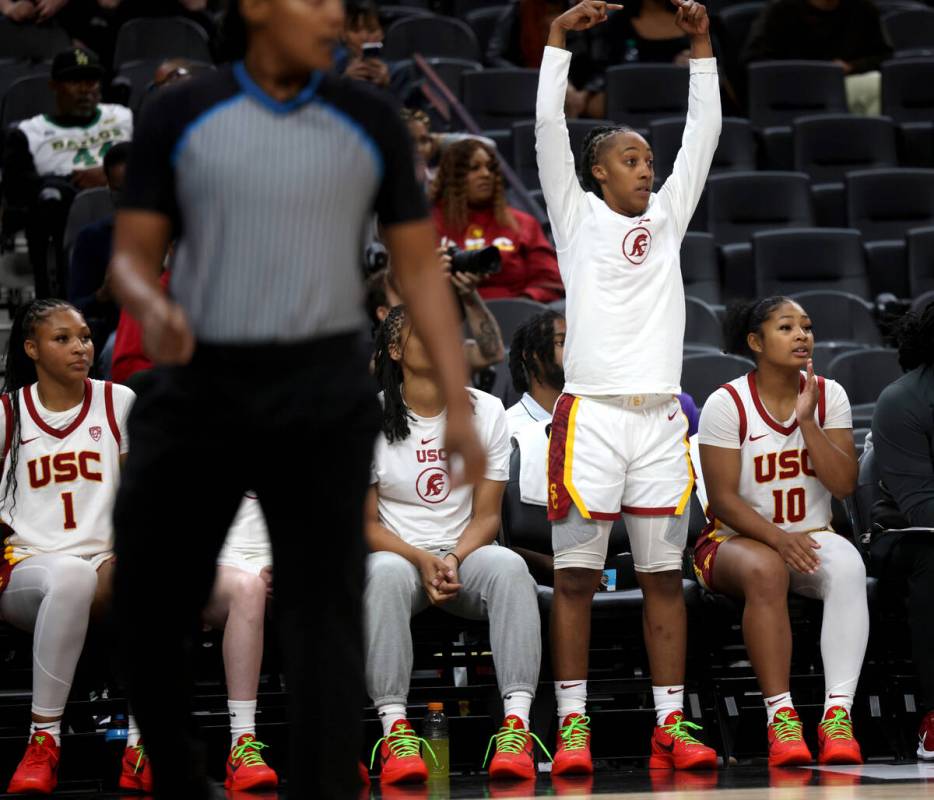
x=470 y=213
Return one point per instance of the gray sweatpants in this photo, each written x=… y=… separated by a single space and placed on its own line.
x=497 y=587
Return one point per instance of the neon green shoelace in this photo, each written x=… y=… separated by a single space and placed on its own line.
x=403 y=743
x=677 y=730
x=248 y=753
x=840 y=727
x=140 y=755
x=512 y=740
x=787 y=728
x=575 y=733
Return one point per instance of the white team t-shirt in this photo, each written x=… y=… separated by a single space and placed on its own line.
x=68 y=470
x=247 y=544
x=413 y=477
x=776 y=476
x=625 y=295
x=61 y=150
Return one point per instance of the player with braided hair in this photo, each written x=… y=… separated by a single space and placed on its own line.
x=434 y=543
x=618 y=442
x=535 y=364
x=63 y=438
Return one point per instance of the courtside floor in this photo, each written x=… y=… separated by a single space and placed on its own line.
x=875 y=781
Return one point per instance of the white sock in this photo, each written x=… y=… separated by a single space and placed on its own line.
x=776 y=703
x=389 y=715
x=834 y=698
x=667 y=699
x=518 y=704
x=132 y=731
x=53 y=729
x=571 y=697
x=242 y=718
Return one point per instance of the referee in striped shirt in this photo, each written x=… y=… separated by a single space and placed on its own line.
x=265 y=173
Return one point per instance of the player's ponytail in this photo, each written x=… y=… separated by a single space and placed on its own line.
x=395 y=422
x=914 y=334
x=590 y=154
x=531 y=353
x=20 y=372
x=744 y=318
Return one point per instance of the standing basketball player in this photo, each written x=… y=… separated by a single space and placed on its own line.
x=775 y=445
x=618 y=442
x=63 y=436
x=267 y=172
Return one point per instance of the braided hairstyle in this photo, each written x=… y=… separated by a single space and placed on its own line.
x=914 y=334
x=450 y=185
x=20 y=372
x=396 y=415
x=532 y=353
x=747 y=317
x=592 y=149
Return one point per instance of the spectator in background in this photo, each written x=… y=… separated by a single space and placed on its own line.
x=88 y=289
x=847 y=32
x=359 y=57
x=536 y=364
x=48 y=159
x=470 y=212
x=903 y=439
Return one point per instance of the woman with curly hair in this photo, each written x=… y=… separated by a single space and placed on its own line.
x=470 y=212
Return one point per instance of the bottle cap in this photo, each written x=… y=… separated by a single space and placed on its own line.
x=436 y=706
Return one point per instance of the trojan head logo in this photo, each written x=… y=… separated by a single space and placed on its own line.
x=636 y=245
x=433 y=485
x=81 y=58
x=553 y=493
x=95 y=431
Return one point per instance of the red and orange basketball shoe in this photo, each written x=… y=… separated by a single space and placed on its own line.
x=246 y=769
x=787 y=747
x=136 y=771
x=835 y=739
x=400 y=760
x=673 y=746
x=573 y=754
x=926 y=738
x=37 y=773
x=513 y=758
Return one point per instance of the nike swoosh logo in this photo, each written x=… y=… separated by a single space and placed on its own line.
x=756 y=438
x=428 y=441
x=569 y=685
x=838 y=695
x=672 y=415
x=775 y=702
x=27 y=441
x=674 y=691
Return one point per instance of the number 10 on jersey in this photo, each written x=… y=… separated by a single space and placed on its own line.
x=789 y=505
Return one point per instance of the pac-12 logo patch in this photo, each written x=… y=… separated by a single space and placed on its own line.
x=433 y=485
x=95 y=431
x=637 y=244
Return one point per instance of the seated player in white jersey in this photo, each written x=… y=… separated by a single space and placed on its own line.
x=775 y=445
x=63 y=440
x=536 y=356
x=618 y=440
x=432 y=542
x=238 y=607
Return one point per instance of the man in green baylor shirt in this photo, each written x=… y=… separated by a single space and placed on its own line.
x=48 y=159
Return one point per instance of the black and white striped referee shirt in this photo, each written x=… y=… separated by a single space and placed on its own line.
x=270 y=201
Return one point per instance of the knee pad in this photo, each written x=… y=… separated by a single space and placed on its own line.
x=579 y=543
x=657 y=542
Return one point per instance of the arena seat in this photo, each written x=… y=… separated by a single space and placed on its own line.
x=736 y=149
x=909 y=28
x=840 y=316
x=703 y=373
x=430 y=36
x=483 y=22
x=29 y=42
x=700 y=269
x=780 y=91
x=922 y=301
x=137 y=75
x=800 y=259
x=908 y=89
x=496 y=98
x=864 y=374
x=25 y=98
x=636 y=94
x=920 y=260
x=887 y=203
x=89 y=206
x=735 y=23
x=161 y=37
x=511 y=312
x=702 y=326
x=523 y=143
x=742 y=203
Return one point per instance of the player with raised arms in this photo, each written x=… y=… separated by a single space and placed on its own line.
x=775 y=445
x=63 y=437
x=618 y=442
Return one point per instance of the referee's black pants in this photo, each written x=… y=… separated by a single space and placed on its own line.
x=296 y=424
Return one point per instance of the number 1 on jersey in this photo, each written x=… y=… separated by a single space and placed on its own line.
x=68 y=501
x=789 y=506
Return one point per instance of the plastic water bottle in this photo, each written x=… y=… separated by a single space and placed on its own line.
x=115 y=737
x=631 y=53
x=435 y=732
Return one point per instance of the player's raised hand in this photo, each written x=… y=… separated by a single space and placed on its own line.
x=585 y=15
x=691 y=17
x=806 y=404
